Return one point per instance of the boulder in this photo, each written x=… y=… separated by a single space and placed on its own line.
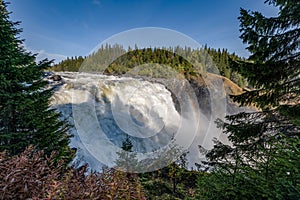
x=56 y=78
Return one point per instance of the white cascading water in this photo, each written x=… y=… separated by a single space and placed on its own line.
x=117 y=108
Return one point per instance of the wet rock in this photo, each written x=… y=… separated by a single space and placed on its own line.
x=56 y=78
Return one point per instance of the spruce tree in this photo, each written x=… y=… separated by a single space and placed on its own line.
x=263 y=160
x=25 y=114
x=127 y=160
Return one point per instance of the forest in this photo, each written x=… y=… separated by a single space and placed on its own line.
x=263 y=161
x=183 y=59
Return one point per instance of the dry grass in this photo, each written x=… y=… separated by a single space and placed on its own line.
x=212 y=81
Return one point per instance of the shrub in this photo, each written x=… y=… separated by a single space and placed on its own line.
x=32 y=175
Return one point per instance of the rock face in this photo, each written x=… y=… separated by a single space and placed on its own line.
x=55 y=77
x=216 y=87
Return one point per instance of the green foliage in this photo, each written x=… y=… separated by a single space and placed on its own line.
x=100 y=59
x=155 y=62
x=273 y=68
x=70 y=64
x=259 y=165
x=127 y=160
x=25 y=115
x=263 y=160
x=221 y=59
x=174 y=181
x=161 y=57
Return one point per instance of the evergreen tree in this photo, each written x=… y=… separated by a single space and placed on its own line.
x=25 y=115
x=263 y=161
x=127 y=160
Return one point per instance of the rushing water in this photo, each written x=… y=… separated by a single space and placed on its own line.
x=104 y=110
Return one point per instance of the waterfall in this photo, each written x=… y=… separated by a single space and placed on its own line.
x=105 y=110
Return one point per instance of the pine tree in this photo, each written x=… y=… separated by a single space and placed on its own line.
x=25 y=114
x=274 y=62
x=263 y=161
x=127 y=160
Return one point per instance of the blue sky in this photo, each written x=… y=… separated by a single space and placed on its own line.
x=60 y=28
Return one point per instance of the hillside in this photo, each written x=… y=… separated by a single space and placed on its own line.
x=114 y=59
x=230 y=87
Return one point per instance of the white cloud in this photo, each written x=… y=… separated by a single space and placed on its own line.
x=97 y=2
x=42 y=54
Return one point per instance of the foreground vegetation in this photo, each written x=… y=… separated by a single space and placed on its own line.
x=32 y=175
x=262 y=163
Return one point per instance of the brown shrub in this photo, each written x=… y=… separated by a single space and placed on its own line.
x=31 y=175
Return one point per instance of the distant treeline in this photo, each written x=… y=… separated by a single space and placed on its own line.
x=70 y=64
x=114 y=59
